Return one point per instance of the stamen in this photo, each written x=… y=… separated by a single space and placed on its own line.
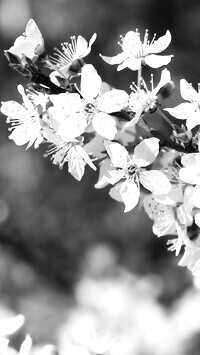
x=146 y=35
x=152 y=41
x=151 y=82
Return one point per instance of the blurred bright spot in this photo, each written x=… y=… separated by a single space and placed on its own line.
x=13 y=17
x=99 y=259
x=196 y=283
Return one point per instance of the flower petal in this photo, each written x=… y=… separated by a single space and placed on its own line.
x=130 y=194
x=155 y=181
x=114 y=192
x=117 y=153
x=131 y=63
x=193 y=120
x=30 y=44
x=163 y=216
x=14 y=110
x=76 y=164
x=131 y=42
x=105 y=125
x=112 y=101
x=11 y=325
x=81 y=151
x=157 y=61
x=196 y=196
x=146 y=151
x=82 y=47
x=161 y=43
x=165 y=78
x=191 y=160
x=187 y=91
x=197 y=219
x=90 y=82
x=26 y=346
x=189 y=175
x=182 y=111
x=172 y=198
x=117 y=59
x=104 y=168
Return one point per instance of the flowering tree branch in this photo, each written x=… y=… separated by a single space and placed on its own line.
x=86 y=122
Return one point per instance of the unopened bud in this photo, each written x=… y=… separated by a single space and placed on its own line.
x=167 y=90
x=12 y=58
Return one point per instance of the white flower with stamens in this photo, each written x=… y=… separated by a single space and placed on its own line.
x=68 y=61
x=171 y=215
x=130 y=169
x=135 y=52
x=68 y=150
x=190 y=174
x=30 y=44
x=189 y=111
x=99 y=106
x=144 y=100
x=25 y=121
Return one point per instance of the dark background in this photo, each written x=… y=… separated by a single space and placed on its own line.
x=54 y=230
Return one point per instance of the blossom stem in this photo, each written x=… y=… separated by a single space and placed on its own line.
x=139 y=77
x=175 y=127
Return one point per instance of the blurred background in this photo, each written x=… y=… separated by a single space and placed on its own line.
x=84 y=274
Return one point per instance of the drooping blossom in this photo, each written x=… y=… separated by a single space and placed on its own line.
x=189 y=111
x=144 y=100
x=130 y=169
x=190 y=174
x=191 y=256
x=71 y=152
x=30 y=43
x=99 y=106
x=25 y=121
x=67 y=123
x=136 y=53
x=68 y=61
x=171 y=214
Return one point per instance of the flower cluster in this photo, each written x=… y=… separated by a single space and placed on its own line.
x=85 y=121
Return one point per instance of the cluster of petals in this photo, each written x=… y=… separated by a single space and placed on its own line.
x=127 y=172
x=135 y=52
x=189 y=111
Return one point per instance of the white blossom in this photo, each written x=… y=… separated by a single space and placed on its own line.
x=130 y=169
x=189 y=111
x=171 y=214
x=100 y=106
x=135 y=52
x=25 y=121
x=68 y=61
x=144 y=100
x=30 y=43
x=73 y=153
